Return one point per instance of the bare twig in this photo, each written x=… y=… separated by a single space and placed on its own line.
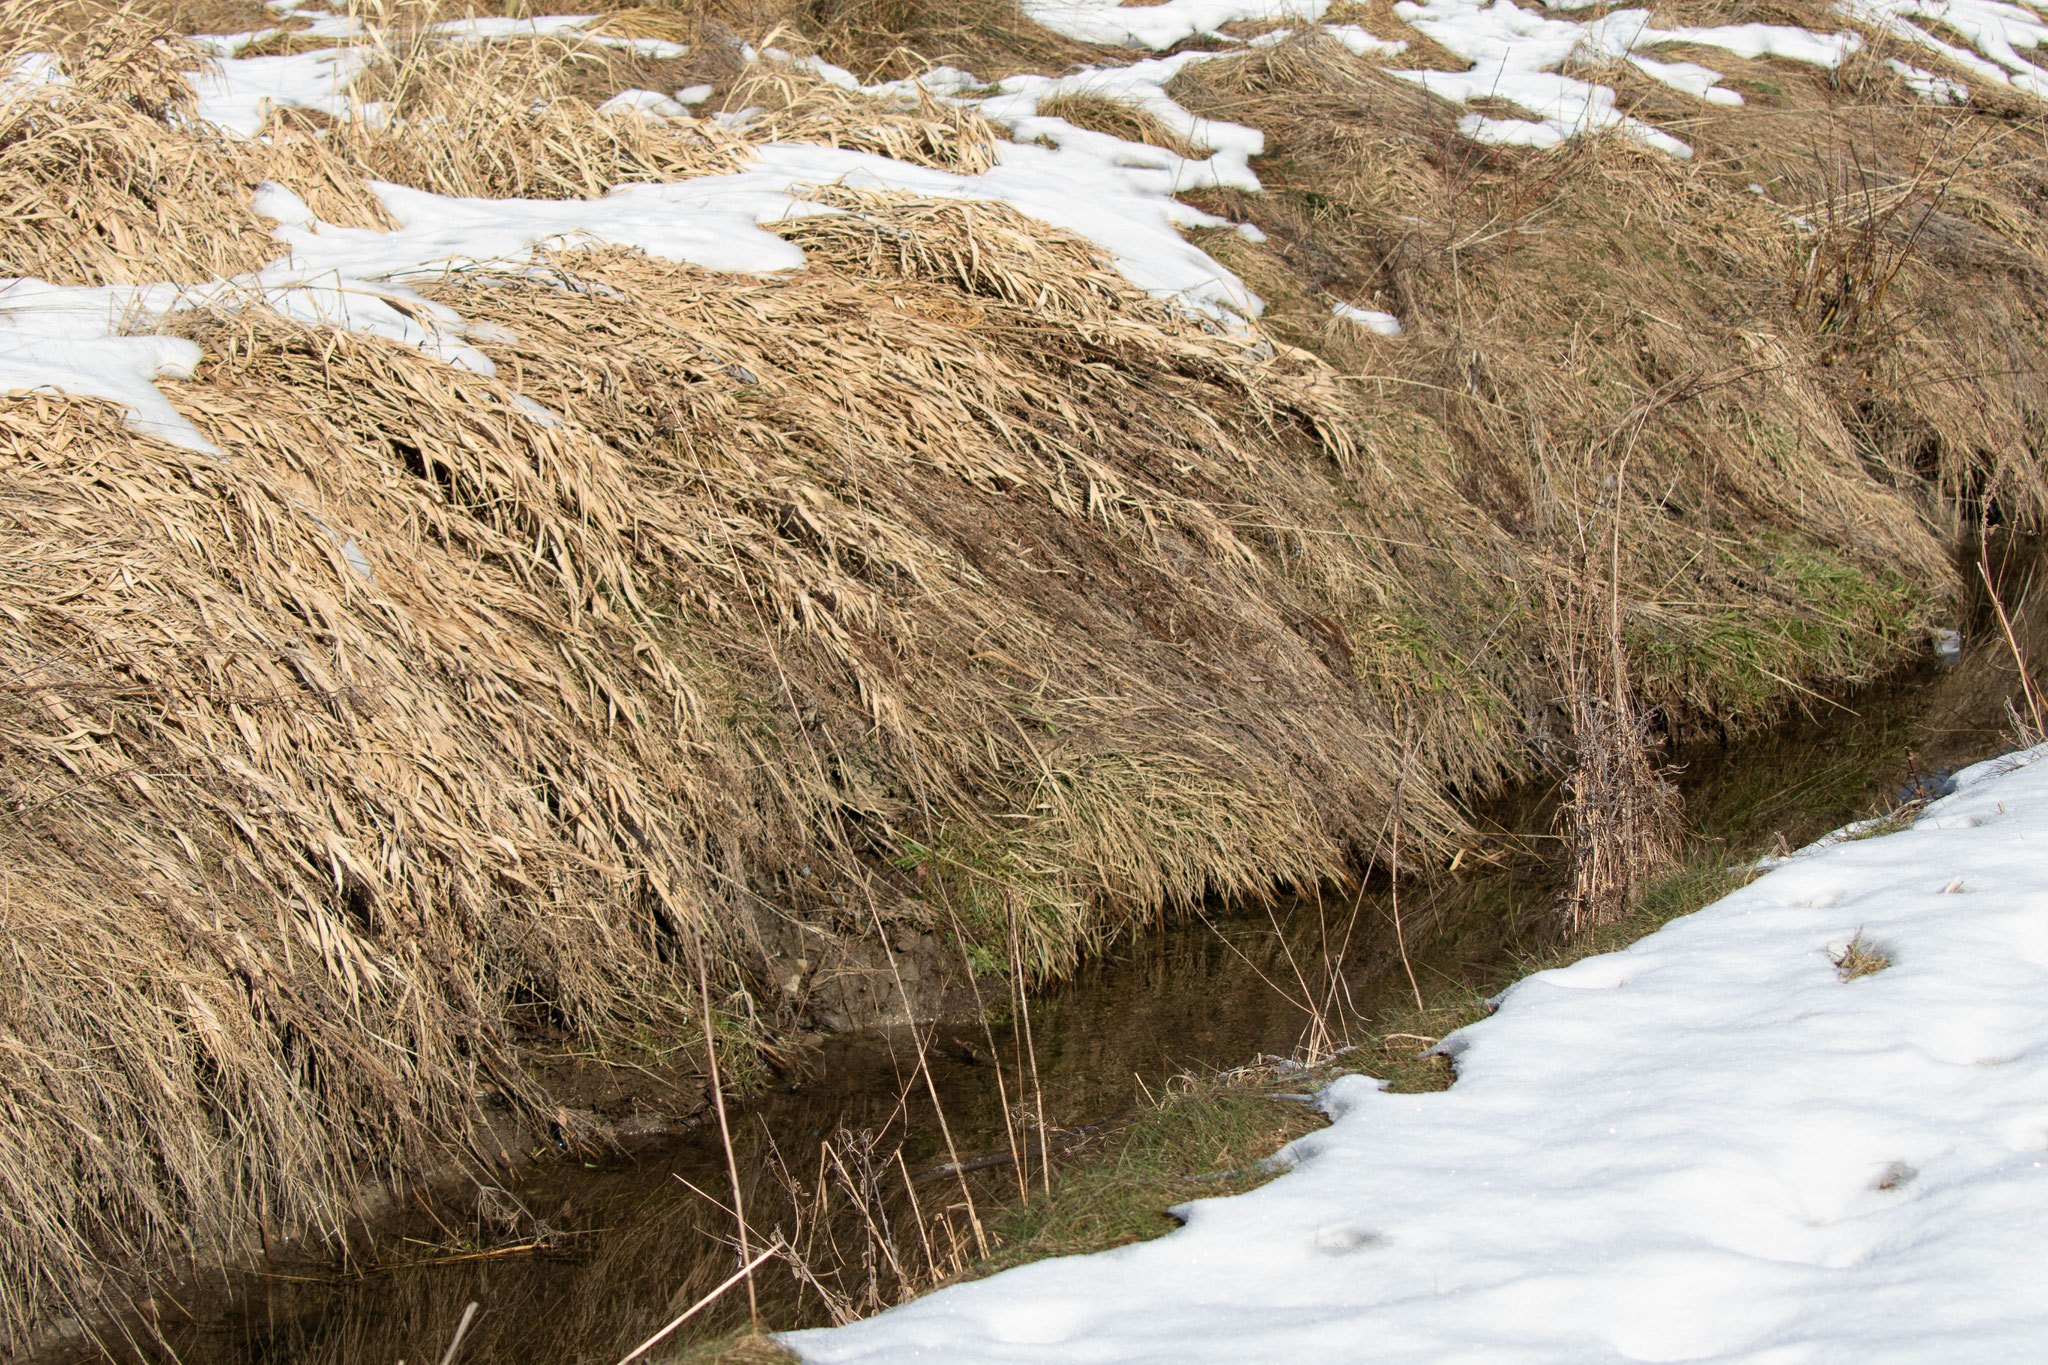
x=461 y=1331
x=732 y=1163
x=745 y=1272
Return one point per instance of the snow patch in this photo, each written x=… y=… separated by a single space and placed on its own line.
x=1706 y=1146
x=1386 y=324
x=60 y=339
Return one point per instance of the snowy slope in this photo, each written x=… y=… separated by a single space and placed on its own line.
x=1119 y=194
x=1707 y=1147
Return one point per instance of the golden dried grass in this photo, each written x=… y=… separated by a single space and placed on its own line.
x=1118 y=119
x=97 y=190
x=514 y=119
x=1572 y=311
x=950 y=566
x=416 y=712
x=791 y=104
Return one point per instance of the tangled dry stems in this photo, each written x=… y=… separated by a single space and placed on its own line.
x=951 y=565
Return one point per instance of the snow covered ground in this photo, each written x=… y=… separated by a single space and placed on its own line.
x=1707 y=1147
x=1120 y=194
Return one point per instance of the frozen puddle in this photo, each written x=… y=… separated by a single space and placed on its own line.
x=1708 y=1146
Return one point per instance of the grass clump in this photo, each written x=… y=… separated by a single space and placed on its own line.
x=1100 y=114
x=1201 y=1138
x=1859 y=957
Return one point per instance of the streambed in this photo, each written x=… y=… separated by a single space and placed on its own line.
x=581 y=1259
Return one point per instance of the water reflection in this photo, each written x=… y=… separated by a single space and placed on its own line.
x=583 y=1261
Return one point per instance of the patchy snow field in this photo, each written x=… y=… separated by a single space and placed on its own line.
x=1117 y=193
x=1707 y=1147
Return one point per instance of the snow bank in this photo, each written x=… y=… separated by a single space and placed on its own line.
x=1706 y=1147
x=1161 y=26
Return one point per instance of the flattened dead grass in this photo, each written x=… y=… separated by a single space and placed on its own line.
x=1104 y=115
x=951 y=568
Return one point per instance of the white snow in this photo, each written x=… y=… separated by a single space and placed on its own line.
x=1515 y=54
x=1364 y=42
x=1928 y=86
x=1707 y=1146
x=1142 y=85
x=237 y=93
x=1161 y=26
x=68 y=340
x=650 y=102
x=1386 y=324
x=1997 y=32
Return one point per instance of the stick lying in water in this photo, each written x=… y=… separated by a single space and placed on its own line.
x=694 y=1308
x=461 y=1331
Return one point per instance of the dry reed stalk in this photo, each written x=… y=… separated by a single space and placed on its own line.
x=461 y=1331
x=1621 y=815
x=2039 y=726
x=745 y=1272
x=1021 y=997
x=1394 y=894
x=732 y=1161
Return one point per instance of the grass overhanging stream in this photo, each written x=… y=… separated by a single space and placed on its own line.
x=1165 y=1071
x=416 y=756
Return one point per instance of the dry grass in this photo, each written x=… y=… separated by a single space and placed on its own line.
x=871 y=570
x=796 y=106
x=951 y=567
x=1620 y=814
x=1859 y=957
x=1104 y=115
x=875 y=39
x=1575 y=310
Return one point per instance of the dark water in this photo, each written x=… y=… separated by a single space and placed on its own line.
x=579 y=1261
x=626 y=1242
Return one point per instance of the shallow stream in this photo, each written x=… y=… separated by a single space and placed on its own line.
x=582 y=1259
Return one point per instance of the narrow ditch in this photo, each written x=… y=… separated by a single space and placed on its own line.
x=582 y=1257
